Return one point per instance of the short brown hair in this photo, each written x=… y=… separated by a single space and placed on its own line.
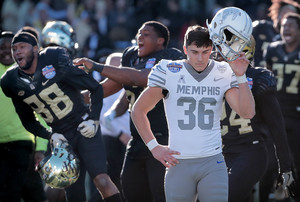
x=198 y=35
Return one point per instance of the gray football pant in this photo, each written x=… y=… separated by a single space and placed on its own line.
x=205 y=178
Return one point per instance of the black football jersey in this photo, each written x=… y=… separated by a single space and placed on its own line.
x=238 y=132
x=263 y=33
x=54 y=92
x=157 y=115
x=286 y=67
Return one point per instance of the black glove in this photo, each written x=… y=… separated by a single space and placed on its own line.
x=286 y=185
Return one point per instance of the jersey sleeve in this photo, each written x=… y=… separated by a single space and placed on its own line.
x=83 y=81
x=270 y=108
x=29 y=120
x=264 y=90
x=157 y=76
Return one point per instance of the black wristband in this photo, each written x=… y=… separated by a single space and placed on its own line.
x=98 y=67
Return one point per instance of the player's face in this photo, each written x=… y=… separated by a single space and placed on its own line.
x=198 y=57
x=5 y=52
x=290 y=31
x=148 y=41
x=23 y=54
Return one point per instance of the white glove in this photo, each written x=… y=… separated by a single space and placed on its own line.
x=88 y=128
x=57 y=139
x=108 y=117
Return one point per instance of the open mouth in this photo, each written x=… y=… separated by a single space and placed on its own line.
x=287 y=36
x=141 y=45
x=19 y=60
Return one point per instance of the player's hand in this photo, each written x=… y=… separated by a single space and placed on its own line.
x=165 y=155
x=84 y=64
x=38 y=156
x=108 y=117
x=88 y=128
x=57 y=139
x=240 y=65
x=286 y=184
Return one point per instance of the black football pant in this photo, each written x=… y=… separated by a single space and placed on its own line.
x=293 y=135
x=14 y=161
x=245 y=169
x=143 y=180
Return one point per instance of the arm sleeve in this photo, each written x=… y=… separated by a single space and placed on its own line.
x=83 y=81
x=29 y=120
x=270 y=108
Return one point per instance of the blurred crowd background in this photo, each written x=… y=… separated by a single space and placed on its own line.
x=105 y=26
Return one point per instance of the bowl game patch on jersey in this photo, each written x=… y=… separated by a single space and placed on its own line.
x=150 y=63
x=48 y=72
x=174 y=67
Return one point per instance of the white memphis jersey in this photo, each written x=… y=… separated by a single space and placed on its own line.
x=193 y=104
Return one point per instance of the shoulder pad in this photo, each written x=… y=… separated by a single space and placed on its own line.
x=171 y=54
x=261 y=24
x=128 y=54
x=275 y=44
x=264 y=81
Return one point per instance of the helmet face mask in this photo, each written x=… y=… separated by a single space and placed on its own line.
x=230 y=30
x=60 y=169
x=249 y=50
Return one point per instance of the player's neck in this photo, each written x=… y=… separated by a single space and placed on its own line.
x=291 y=47
x=32 y=68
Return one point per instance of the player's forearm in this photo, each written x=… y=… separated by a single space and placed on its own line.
x=142 y=124
x=246 y=101
x=121 y=105
x=96 y=103
x=126 y=76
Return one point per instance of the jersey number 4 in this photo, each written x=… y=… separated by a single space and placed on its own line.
x=244 y=125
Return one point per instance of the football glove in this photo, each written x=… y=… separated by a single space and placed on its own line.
x=88 y=128
x=57 y=139
x=286 y=184
x=108 y=117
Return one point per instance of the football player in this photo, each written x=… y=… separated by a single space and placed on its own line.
x=16 y=144
x=265 y=31
x=47 y=83
x=243 y=140
x=140 y=170
x=283 y=58
x=61 y=33
x=193 y=91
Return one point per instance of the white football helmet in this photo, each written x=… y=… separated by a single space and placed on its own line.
x=230 y=30
x=59 y=33
x=61 y=168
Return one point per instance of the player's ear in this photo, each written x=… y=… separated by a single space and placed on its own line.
x=35 y=49
x=184 y=49
x=160 y=41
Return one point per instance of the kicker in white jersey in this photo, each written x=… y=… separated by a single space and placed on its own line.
x=193 y=106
